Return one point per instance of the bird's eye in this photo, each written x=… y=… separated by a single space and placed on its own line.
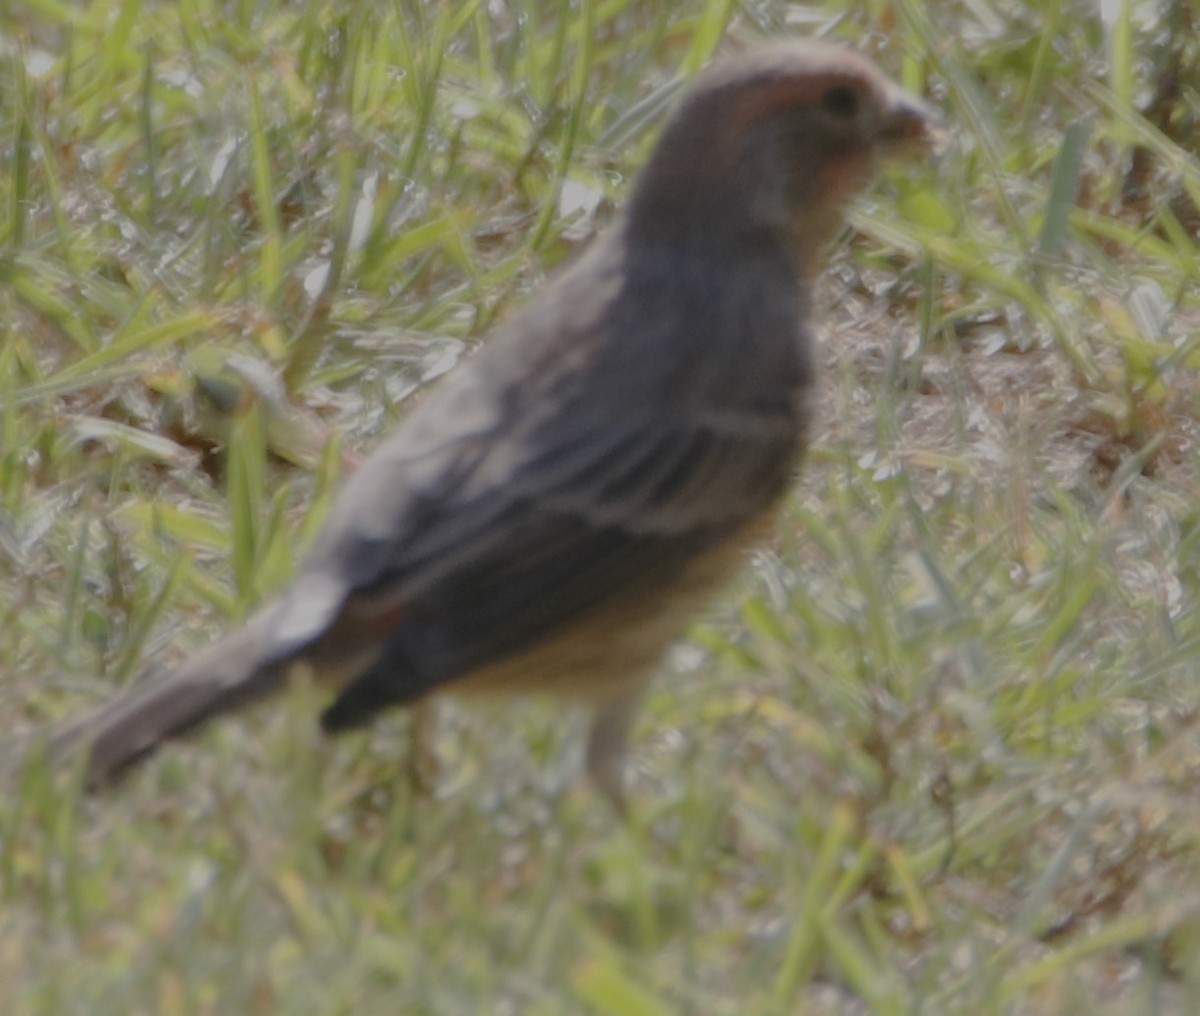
x=841 y=101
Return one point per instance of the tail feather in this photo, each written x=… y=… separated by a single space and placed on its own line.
x=228 y=675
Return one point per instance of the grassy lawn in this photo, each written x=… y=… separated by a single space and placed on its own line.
x=938 y=752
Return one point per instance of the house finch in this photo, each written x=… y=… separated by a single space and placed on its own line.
x=553 y=514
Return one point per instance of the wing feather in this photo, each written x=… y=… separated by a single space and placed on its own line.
x=514 y=501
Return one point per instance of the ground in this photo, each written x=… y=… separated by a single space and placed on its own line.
x=935 y=752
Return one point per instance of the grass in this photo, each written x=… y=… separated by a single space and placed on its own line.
x=935 y=753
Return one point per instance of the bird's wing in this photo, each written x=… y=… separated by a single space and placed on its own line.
x=483 y=565
x=541 y=480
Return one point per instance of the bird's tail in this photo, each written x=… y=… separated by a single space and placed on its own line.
x=226 y=676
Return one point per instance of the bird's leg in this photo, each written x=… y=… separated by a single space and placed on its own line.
x=422 y=760
x=607 y=740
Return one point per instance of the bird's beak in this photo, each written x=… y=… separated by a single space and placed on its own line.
x=909 y=122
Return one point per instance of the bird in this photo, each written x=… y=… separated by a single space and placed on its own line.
x=552 y=515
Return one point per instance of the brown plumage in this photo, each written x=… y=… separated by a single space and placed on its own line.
x=553 y=514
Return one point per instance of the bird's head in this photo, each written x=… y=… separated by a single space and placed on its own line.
x=775 y=139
